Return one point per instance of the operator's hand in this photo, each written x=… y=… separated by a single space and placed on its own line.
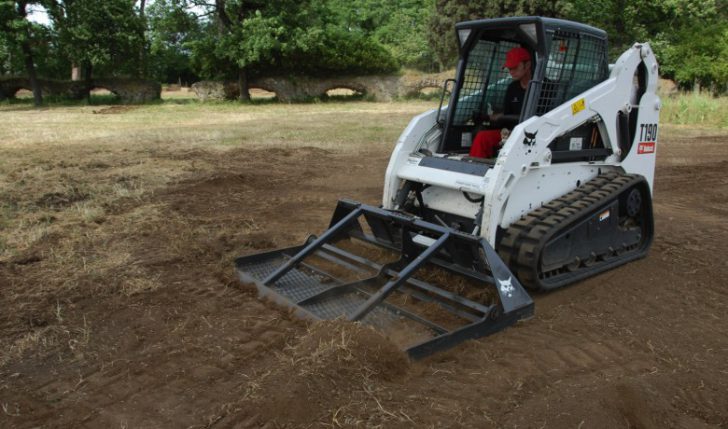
x=501 y=120
x=480 y=118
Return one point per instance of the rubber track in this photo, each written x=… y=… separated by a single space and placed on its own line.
x=522 y=242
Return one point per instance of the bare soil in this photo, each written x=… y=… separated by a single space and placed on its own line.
x=642 y=346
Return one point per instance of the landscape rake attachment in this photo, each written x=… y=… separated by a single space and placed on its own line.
x=427 y=287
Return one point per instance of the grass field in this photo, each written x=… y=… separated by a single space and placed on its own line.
x=65 y=167
x=67 y=164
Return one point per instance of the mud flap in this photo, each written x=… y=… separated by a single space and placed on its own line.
x=425 y=286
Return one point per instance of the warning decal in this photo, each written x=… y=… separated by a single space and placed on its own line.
x=646 y=147
x=578 y=106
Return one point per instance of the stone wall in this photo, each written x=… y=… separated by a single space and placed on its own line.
x=131 y=90
x=209 y=90
x=287 y=89
x=128 y=90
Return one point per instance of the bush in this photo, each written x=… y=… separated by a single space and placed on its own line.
x=335 y=51
x=695 y=109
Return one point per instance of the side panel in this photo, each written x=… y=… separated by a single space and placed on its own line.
x=450 y=201
x=643 y=153
x=406 y=144
x=542 y=185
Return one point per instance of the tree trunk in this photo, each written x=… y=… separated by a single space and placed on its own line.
x=223 y=19
x=30 y=69
x=618 y=19
x=87 y=70
x=243 y=85
x=28 y=59
x=75 y=72
x=143 y=48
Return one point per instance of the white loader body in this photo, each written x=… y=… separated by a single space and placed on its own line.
x=523 y=176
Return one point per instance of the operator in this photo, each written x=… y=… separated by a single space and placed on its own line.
x=518 y=63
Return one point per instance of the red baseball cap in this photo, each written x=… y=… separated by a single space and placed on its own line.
x=515 y=56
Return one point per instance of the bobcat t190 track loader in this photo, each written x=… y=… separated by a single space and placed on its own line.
x=447 y=255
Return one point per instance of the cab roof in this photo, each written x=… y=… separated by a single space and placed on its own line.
x=548 y=24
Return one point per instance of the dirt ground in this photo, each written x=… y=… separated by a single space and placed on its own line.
x=165 y=337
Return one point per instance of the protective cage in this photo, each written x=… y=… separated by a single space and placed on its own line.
x=425 y=286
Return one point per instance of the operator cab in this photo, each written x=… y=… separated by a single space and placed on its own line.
x=567 y=58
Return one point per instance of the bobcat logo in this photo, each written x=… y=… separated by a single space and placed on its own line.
x=506 y=286
x=530 y=138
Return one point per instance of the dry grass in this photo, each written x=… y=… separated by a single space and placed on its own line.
x=63 y=167
x=695 y=109
x=344 y=126
x=82 y=209
x=59 y=336
x=342 y=362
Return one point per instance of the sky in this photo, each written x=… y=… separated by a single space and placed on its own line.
x=38 y=14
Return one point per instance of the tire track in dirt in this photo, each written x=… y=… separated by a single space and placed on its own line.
x=156 y=373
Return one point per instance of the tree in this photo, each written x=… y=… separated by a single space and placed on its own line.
x=171 y=27
x=241 y=34
x=688 y=36
x=250 y=38
x=323 y=43
x=142 y=72
x=698 y=56
x=332 y=50
x=449 y=12
x=8 y=55
x=245 y=38
x=398 y=25
x=16 y=29
x=108 y=35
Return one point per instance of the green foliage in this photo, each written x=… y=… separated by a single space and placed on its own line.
x=328 y=41
x=449 y=12
x=253 y=41
x=284 y=37
x=170 y=27
x=12 y=24
x=104 y=35
x=404 y=35
x=699 y=54
x=695 y=109
x=689 y=36
x=9 y=56
x=244 y=35
x=333 y=50
x=204 y=59
x=400 y=26
x=48 y=55
x=10 y=36
x=187 y=39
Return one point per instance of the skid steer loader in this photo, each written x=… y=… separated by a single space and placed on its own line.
x=458 y=240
